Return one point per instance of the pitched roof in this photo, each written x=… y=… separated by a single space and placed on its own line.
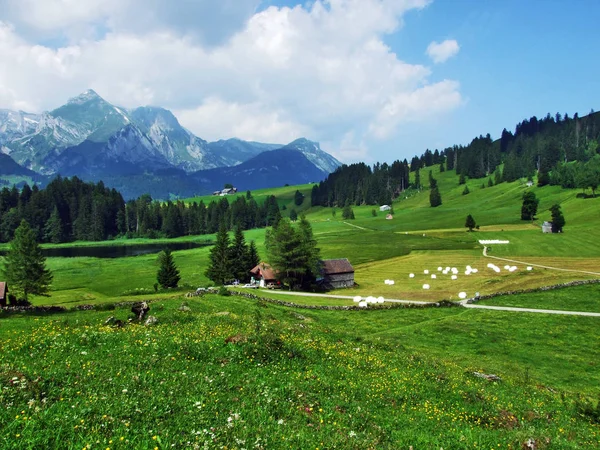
x=2 y=289
x=333 y=266
x=264 y=270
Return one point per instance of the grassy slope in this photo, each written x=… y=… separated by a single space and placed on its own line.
x=393 y=379
x=418 y=238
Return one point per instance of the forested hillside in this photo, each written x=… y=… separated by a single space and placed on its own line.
x=558 y=150
x=70 y=209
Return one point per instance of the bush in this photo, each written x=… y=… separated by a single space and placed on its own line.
x=224 y=292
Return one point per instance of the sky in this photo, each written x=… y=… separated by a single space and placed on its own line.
x=371 y=80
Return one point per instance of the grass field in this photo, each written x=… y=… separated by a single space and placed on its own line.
x=235 y=373
x=230 y=373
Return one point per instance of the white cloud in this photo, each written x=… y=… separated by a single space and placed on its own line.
x=322 y=71
x=441 y=52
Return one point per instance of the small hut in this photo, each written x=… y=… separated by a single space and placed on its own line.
x=385 y=208
x=265 y=275
x=3 y=293
x=337 y=273
x=547 y=227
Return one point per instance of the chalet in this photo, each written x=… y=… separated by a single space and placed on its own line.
x=3 y=293
x=226 y=191
x=337 y=273
x=547 y=227
x=385 y=208
x=265 y=275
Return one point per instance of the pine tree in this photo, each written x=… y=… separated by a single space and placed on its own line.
x=466 y=190
x=417 y=179
x=168 y=274
x=54 y=230
x=347 y=213
x=25 y=265
x=253 y=256
x=461 y=179
x=282 y=243
x=470 y=222
x=435 y=198
x=558 y=220
x=530 y=206
x=298 y=198
x=293 y=215
x=238 y=255
x=219 y=268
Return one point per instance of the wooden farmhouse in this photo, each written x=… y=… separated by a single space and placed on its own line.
x=264 y=274
x=3 y=293
x=337 y=273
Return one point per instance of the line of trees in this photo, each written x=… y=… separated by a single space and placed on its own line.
x=231 y=260
x=69 y=209
x=293 y=253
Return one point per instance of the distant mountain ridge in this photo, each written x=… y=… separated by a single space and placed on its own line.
x=95 y=140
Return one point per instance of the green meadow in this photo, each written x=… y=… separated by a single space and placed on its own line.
x=237 y=373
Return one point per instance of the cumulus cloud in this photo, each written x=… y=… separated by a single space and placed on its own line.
x=322 y=71
x=441 y=52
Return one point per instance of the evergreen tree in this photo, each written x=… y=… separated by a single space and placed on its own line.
x=442 y=168
x=282 y=243
x=308 y=250
x=497 y=176
x=25 y=266
x=298 y=198
x=219 y=268
x=461 y=179
x=558 y=220
x=348 y=213
x=435 y=198
x=239 y=256
x=253 y=256
x=417 y=179
x=466 y=190
x=293 y=215
x=54 y=231
x=292 y=252
x=490 y=182
x=470 y=222
x=168 y=274
x=530 y=206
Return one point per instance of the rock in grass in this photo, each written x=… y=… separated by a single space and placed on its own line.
x=150 y=321
x=110 y=321
x=489 y=377
x=140 y=309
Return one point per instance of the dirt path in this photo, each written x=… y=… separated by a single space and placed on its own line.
x=356 y=226
x=463 y=303
x=536 y=265
x=530 y=310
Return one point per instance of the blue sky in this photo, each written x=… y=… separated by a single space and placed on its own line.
x=354 y=75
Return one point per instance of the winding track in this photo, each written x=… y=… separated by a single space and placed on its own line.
x=463 y=303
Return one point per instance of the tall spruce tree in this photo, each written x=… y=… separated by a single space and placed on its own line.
x=25 y=265
x=54 y=229
x=168 y=275
x=293 y=252
x=253 y=256
x=239 y=256
x=558 y=220
x=470 y=222
x=219 y=267
x=529 y=206
x=435 y=198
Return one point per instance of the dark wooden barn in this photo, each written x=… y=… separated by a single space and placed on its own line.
x=337 y=273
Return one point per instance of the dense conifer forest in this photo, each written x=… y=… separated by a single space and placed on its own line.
x=558 y=150
x=69 y=209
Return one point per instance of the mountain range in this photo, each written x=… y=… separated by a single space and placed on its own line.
x=146 y=150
